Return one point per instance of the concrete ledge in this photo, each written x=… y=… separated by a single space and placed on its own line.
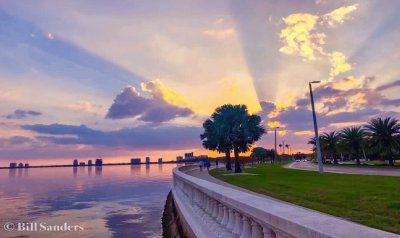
x=283 y=218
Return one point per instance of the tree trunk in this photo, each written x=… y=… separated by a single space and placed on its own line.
x=357 y=159
x=228 y=163
x=391 y=160
x=335 y=159
x=237 y=164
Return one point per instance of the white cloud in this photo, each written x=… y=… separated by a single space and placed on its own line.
x=84 y=106
x=303 y=36
x=219 y=34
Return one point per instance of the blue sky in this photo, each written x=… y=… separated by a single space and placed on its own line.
x=142 y=69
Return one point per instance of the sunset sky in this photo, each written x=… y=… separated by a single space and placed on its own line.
x=83 y=79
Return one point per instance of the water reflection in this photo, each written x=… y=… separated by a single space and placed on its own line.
x=119 y=201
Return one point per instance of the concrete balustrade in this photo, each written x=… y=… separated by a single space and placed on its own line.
x=212 y=210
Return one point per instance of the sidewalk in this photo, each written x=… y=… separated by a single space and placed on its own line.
x=344 y=170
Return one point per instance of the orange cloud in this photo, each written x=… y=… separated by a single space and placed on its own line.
x=301 y=133
x=160 y=91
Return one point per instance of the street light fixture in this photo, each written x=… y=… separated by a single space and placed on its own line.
x=276 y=154
x=317 y=144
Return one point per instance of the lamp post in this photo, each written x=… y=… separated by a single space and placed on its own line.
x=319 y=158
x=276 y=153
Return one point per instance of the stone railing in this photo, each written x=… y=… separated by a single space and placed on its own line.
x=213 y=210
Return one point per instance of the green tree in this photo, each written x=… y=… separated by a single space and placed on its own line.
x=384 y=134
x=259 y=153
x=231 y=127
x=216 y=137
x=331 y=140
x=271 y=154
x=246 y=129
x=353 y=138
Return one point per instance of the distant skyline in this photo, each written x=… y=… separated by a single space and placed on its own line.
x=83 y=79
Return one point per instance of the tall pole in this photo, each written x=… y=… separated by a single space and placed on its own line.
x=321 y=169
x=276 y=153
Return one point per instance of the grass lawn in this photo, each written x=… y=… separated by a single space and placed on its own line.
x=367 y=199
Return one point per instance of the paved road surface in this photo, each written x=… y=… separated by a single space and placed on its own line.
x=345 y=170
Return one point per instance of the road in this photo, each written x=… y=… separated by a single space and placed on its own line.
x=345 y=170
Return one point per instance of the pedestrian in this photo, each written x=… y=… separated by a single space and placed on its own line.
x=216 y=163
x=208 y=165
x=201 y=164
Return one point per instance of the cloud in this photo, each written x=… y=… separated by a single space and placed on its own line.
x=303 y=36
x=336 y=103
x=84 y=106
x=339 y=64
x=15 y=140
x=9 y=95
x=389 y=85
x=142 y=137
x=219 y=34
x=338 y=16
x=164 y=105
x=299 y=36
x=20 y=114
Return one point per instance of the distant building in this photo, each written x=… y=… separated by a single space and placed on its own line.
x=13 y=165
x=160 y=160
x=179 y=158
x=89 y=162
x=202 y=157
x=26 y=165
x=189 y=155
x=99 y=162
x=82 y=164
x=20 y=165
x=147 y=160
x=136 y=161
x=75 y=163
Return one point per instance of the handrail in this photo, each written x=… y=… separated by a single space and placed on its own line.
x=228 y=212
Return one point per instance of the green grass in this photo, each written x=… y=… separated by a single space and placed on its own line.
x=367 y=199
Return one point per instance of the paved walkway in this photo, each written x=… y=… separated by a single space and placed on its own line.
x=344 y=170
x=206 y=176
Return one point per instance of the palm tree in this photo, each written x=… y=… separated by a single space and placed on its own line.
x=311 y=141
x=322 y=145
x=384 y=135
x=353 y=138
x=216 y=136
x=232 y=127
x=246 y=129
x=331 y=141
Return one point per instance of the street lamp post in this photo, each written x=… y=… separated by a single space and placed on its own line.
x=276 y=153
x=319 y=158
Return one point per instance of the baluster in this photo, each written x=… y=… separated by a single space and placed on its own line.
x=215 y=209
x=231 y=220
x=256 y=230
x=225 y=218
x=238 y=224
x=209 y=206
x=246 y=231
x=220 y=212
x=269 y=233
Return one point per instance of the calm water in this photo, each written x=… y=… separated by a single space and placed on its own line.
x=113 y=201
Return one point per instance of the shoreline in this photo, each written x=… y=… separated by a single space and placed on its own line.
x=104 y=164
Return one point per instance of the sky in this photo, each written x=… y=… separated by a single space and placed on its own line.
x=83 y=79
